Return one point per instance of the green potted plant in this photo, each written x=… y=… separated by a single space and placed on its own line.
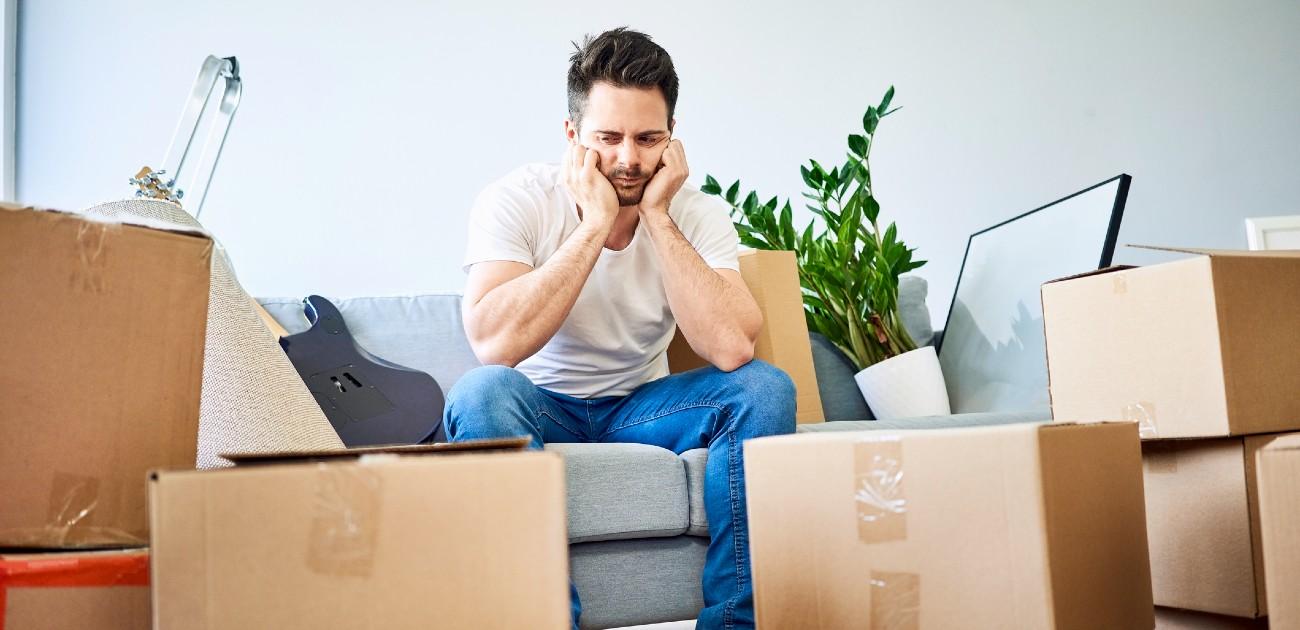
x=849 y=272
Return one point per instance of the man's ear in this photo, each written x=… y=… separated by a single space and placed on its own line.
x=570 y=131
x=672 y=124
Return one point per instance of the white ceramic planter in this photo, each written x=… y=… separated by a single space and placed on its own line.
x=906 y=386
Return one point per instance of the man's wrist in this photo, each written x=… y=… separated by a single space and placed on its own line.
x=657 y=218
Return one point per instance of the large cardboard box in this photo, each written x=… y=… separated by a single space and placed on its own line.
x=86 y=590
x=773 y=279
x=385 y=541
x=1203 y=524
x=1279 y=514
x=103 y=327
x=1014 y=526
x=1200 y=347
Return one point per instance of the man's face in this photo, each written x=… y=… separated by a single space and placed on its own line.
x=629 y=128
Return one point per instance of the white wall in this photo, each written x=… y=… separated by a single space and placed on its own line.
x=366 y=130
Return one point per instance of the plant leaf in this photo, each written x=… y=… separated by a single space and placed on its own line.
x=732 y=192
x=858 y=144
x=711 y=186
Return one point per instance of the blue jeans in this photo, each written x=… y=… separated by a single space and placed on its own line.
x=700 y=408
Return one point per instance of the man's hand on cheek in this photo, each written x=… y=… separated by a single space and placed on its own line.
x=665 y=183
x=590 y=188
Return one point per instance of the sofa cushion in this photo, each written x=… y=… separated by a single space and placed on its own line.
x=695 y=459
x=620 y=491
x=634 y=582
x=422 y=332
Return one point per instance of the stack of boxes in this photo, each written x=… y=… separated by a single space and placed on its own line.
x=1204 y=353
x=103 y=327
x=105 y=523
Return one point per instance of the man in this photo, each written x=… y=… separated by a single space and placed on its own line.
x=579 y=274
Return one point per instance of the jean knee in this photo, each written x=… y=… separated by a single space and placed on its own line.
x=488 y=394
x=771 y=394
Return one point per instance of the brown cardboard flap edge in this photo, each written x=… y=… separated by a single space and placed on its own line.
x=276 y=457
x=1204 y=251
x=1094 y=272
x=126 y=219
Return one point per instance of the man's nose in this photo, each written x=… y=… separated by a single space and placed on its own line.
x=629 y=155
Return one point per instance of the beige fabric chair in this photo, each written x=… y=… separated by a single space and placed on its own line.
x=253 y=399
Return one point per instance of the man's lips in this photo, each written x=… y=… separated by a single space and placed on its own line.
x=627 y=182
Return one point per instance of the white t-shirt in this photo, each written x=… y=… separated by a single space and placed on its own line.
x=615 y=338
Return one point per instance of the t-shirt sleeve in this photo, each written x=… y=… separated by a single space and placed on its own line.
x=502 y=227
x=709 y=229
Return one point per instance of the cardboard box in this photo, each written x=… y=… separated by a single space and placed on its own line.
x=103 y=358
x=1175 y=619
x=1013 y=526
x=1279 y=515
x=385 y=541
x=1200 y=347
x=773 y=279
x=87 y=590
x=1203 y=524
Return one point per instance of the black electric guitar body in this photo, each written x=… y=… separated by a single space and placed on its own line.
x=369 y=401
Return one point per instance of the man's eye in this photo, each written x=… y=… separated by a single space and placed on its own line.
x=609 y=139
x=649 y=142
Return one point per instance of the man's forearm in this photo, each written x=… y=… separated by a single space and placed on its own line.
x=516 y=319
x=720 y=320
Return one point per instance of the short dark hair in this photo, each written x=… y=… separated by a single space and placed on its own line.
x=624 y=58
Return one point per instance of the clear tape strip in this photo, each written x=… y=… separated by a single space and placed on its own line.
x=878 y=490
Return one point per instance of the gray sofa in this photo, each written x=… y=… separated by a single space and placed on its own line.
x=637 y=527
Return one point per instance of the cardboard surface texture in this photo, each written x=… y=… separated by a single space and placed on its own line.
x=773 y=279
x=1279 y=513
x=1015 y=526
x=461 y=540
x=1200 y=347
x=87 y=590
x=1203 y=524
x=103 y=357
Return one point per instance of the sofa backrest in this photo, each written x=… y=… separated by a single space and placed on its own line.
x=422 y=332
x=425 y=332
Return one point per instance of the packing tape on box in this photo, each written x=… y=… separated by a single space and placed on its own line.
x=70 y=512
x=895 y=601
x=90 y=249
x=878 y=490
x=1143 y=413
x=345 y=520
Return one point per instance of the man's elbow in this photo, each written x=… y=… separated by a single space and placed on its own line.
x=489 y=352
x=735 y=357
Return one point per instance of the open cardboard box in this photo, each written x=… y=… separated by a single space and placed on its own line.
x=1012 y=526
x=451 y=536
x=104 y=326
x=1200 y=347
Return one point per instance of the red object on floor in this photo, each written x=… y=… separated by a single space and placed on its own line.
x=75 y=568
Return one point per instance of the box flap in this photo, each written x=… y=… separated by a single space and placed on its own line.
x=1273 y=253
x=144 y=222
x=275 y=457
x=1094 y=272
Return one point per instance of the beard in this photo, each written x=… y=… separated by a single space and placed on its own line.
x=628 y=195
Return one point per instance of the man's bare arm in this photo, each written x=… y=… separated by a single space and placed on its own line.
x=511 y=310
x=713 y=307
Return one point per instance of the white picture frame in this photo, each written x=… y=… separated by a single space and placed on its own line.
x=1273 y=232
